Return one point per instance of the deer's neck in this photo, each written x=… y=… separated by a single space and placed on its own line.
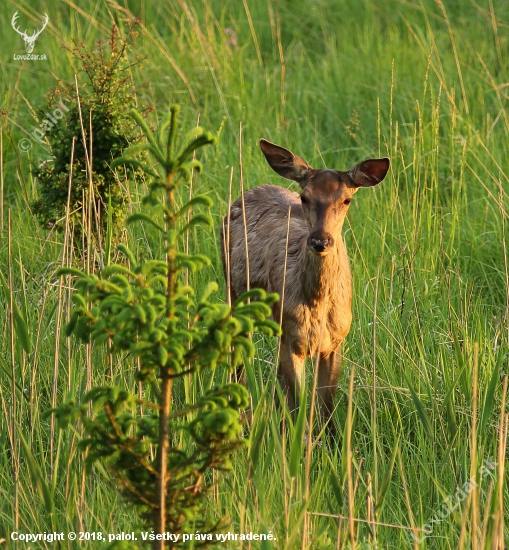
x=328 y=274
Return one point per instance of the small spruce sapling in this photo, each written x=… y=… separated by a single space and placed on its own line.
x=146 y=309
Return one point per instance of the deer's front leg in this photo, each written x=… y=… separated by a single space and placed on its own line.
x=290 y=372
x=329 y=367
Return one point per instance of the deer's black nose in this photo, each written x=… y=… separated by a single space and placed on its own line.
x=320 y=244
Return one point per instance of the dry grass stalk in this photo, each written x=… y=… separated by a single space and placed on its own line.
x=58 y=327
x=14 y=404
x=351 y=496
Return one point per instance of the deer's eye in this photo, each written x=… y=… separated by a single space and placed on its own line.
x=347 y=201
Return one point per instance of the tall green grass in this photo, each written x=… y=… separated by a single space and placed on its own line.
x=421 y=405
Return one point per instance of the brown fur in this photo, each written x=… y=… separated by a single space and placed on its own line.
x=317 y=262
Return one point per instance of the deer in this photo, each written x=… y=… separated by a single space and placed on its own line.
x=29 y=40
x=316 y=313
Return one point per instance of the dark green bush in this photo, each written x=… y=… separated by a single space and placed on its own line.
x=105 y=97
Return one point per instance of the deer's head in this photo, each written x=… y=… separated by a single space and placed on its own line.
x=326 y=194
x=29 y=40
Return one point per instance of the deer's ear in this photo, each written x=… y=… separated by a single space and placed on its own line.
x=285 y=163
x=369 y=172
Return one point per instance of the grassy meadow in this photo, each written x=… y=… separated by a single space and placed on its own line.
x=422 y=415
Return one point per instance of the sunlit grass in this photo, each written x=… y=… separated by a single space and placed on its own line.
x=336 y=82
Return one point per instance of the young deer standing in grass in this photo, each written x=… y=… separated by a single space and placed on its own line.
x=318 y=279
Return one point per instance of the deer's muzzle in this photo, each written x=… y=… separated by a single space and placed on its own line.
x=320 y=244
